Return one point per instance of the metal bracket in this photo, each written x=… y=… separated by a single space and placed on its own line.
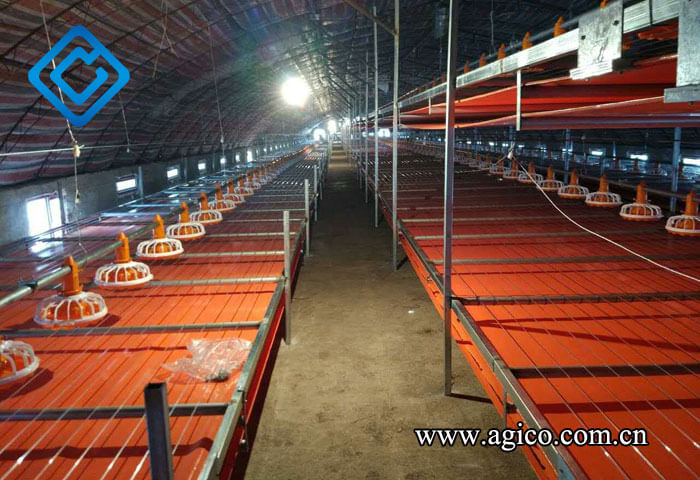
x=688 y=66
x=600 y=41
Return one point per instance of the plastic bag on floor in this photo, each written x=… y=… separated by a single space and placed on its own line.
x=212 y=360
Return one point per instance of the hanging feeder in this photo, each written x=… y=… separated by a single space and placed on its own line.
x=222 y=204
x=603 y=197
x=242 y=189
x=573 y=191
x=17 y=361
x=530 y=176
x=230 y=193
x=484 y=164
x=72 y=307
x=550 y=184
x=159 y=247
x=687 y=224
x=641 y=210
x=185 y=229
x=512 y=173
x=496 y=168
x=123 y=273
x=206 y=215
x=251 y=181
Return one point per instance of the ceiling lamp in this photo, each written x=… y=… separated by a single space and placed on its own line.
x=185 y=230
x=159 y=247
x=123 y=273
x=295 y=91
x=687 y=224
x=72 y=307
x=17 y=360
x=641 y=210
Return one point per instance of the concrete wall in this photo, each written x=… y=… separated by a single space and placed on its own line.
x=97 y=192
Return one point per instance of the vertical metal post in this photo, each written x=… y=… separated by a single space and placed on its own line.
x=376 y=125
x=287 y=279
x=395 y=143
x=160 y=448
x=140 y=182
x=449 y=191
x=567 y=154
x=307 y=216
x=315 y=193
x=366 y=126
x=518 y=97
x=676 y=162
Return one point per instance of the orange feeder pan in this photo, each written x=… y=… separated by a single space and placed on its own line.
x=573 y=191
x=512 y=173
x=496 y=168
x=221 y=204
x=252 y=182
x=687 y=224
x=530 y=176
x=242 y=189
x=124 y=273
x=72 y=307
x=159 y=247
x=603 y=197
x=185 y=230
x=641 y=210
x=206 y=215
x=550 y=184
x=231 y=193
x=17 y=361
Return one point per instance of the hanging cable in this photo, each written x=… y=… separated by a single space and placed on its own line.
x=602 y=237
x=126 y=128
x=76 y=147
x=216 y=88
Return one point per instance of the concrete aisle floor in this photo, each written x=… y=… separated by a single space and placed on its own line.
x=365 y=367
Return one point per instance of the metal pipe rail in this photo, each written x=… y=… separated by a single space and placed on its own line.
x=561 y=458
x=27 y=288
x=635 y=17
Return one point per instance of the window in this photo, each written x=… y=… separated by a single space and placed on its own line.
x=222 y=160
x=238 y=157
x=695 y=162
x=172 y=173
x=126 y=184
x=43 y=213
x=202 y=166
x=249 y=156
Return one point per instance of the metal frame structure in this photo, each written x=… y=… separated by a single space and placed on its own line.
x=252 y=224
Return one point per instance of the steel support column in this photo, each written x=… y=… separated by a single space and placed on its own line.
x=395 y=142
x=449 y=191
x=366 y=126
x=376 y=124
x=160 y=448
x=676 y=161
x=287 y=279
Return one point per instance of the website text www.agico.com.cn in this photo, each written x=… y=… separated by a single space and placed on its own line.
x=508 y=439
